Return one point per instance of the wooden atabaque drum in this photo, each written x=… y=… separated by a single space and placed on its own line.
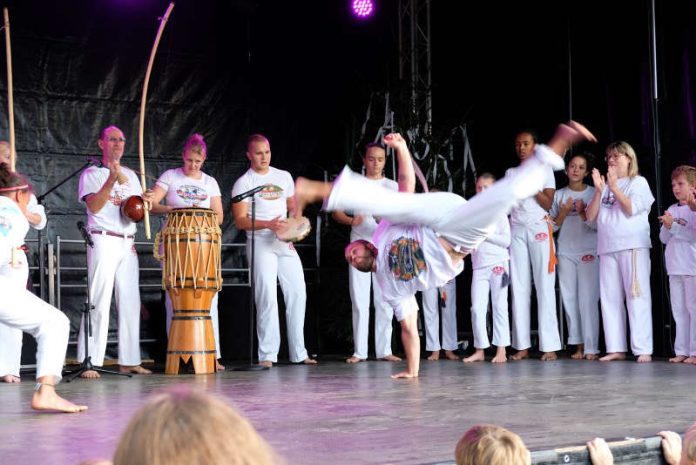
x=191 y=275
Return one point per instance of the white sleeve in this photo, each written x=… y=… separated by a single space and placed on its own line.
x=555 y=208
x=640 y=195
x=90 y=183
x=165 y=180
x=214 y=190
x=35 y=208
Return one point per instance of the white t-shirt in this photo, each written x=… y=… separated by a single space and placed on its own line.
x=367 y=228
x=680 y=253
x=576 y=237
x=494 y=249
x=410 y=259
x=617 y=231
x=34 y=207
x=13 y=228
x=186 y=192
x=528 y=211
x=109 y=218
x=272 y=201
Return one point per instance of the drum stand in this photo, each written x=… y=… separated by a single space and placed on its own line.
x=252 y=296
x=87 y=326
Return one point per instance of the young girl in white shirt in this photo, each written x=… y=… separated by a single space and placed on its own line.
x=578 y=263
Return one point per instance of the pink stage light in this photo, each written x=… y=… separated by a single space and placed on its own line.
x=363 y=8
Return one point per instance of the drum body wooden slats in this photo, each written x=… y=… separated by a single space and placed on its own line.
x=191 y=275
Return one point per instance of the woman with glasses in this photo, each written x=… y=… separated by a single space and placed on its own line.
x=620 y=205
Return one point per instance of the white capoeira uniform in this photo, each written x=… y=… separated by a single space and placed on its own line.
x=21 y=309
x=276 y=262
x=432 y=298
x=410 y=257
x=490 y=262
x=359 y=285
x=531 y=245
x=680 y=260
x=578 y=270
x=11 y=338
x=185 y=192
x=113 y=268
x=623 y=244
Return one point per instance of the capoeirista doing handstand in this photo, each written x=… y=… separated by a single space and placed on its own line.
x=422 y=239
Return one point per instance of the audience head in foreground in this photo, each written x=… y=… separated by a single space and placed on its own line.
x=187 y=427
x=491 y=445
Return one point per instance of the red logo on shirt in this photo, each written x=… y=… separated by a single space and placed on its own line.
x=588 y=258
x=541 y=237
x=498 y=270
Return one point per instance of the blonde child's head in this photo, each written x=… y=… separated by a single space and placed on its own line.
x=491 y=445
x=186 y=427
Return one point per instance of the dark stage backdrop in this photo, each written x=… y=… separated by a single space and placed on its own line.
x=302 y=73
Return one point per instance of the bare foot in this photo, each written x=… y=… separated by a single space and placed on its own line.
x=613 y=356
x=390 y=358
x=549 y=357
x=90 y=374
x=591 y=356
x=577 y=355
x=10 y=379
x=568 y=134
x=434 y=355
x=266 y=363
x=450 y=355
x=309 y=361
x=45 y=398
x=520 y=355
x=354 y=359
x=645 y=358
x=135 y=369
x=500 y=356
x=404 y=374
x=584 y=132
x=691 y=360
x=307 y=191
x=477 y=356
x=219 y=366
x=677 y=359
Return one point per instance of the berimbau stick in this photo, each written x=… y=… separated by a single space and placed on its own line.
x=10 y=99
x=141 y=134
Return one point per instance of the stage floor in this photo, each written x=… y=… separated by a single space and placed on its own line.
x=355 y=414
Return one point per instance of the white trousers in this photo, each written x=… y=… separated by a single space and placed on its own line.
x=490 y=278
x=625 y=275
x=213 y=317
x=431 y=317
x=463 y=223
x=277 y=262
x=22 y=310
x=683 y=296
x=529 y=257
x=578 y=277
x=359 y=285
x=113 y=270
x=11 y=338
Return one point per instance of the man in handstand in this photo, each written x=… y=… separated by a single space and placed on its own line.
x=422 y=239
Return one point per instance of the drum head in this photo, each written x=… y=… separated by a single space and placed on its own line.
x=297 y=229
